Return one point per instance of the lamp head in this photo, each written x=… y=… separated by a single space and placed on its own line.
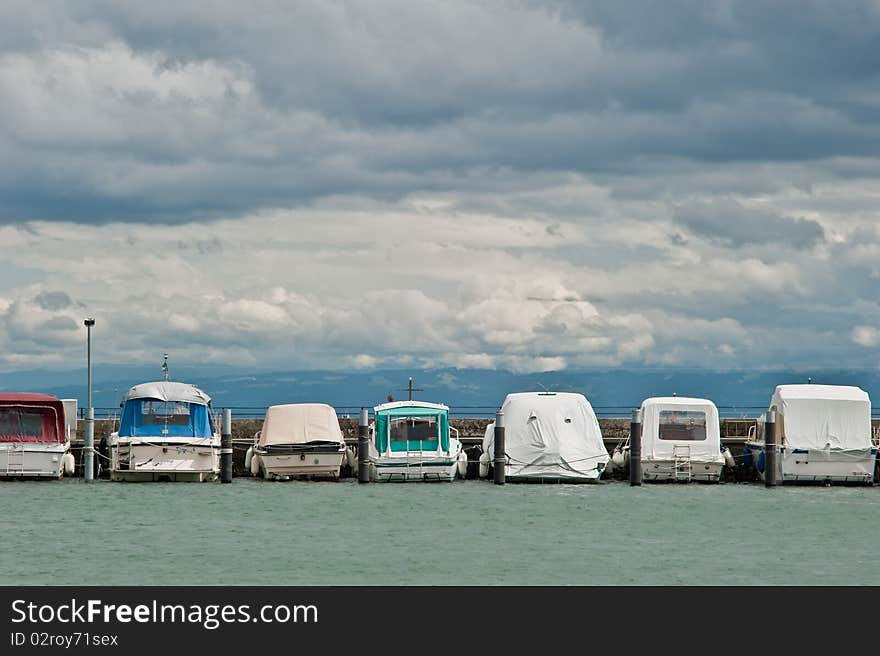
x=89 y=322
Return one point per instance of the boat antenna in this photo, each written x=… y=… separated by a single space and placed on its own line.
x=165 y=367
x=410 y=389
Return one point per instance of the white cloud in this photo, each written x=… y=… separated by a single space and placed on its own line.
x=337 y=287
x=867 y=336
x=364 y=361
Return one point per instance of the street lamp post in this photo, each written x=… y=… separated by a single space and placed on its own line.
x=89 y=446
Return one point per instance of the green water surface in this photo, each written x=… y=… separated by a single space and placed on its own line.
x=468 y=532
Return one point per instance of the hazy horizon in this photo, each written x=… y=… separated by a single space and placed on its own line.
x=612 y=391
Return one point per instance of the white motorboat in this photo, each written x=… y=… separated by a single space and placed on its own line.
x=300 y=440
x=413 y=441
x=166 y=434
x=34 y=437
x=681 y=440
x=823 y=433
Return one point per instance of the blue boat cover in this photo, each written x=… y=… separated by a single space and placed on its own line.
x=157 y=418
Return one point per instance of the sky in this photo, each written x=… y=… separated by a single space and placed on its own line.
x=526 y=186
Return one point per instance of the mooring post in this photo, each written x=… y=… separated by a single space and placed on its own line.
x=500 y=461
x=226 y=447
x=771 y=449
x=364 y=447
x=89 y=446
x=635 y=448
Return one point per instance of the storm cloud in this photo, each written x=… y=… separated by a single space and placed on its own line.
x=53 y=300
x=171 y=113
x=730 y=222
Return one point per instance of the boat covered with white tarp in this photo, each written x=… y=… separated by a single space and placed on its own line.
x=548 y=436
x=823 y=434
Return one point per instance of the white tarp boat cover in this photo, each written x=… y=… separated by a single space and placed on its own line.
x=823 y=416
x=675 y=421
x=300 y=423
x=168 y=391
x=550 y=434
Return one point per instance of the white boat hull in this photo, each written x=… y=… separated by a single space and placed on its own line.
x=656 y=470
x=417 y=465
x=137 y=461
x=302 y=465
x=416 y=469
x=855 y=466
x=665 y=470
x=32 y=459
x=540 y=473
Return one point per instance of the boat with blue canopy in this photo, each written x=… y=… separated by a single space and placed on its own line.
x=166 y=433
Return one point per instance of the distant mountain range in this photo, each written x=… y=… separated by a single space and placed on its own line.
x=469 y=392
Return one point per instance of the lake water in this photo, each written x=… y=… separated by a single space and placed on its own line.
x=468 y=532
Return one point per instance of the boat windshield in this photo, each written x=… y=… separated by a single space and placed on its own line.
x=412 y=429
x=160 y=413
x=685 y=425
x=157 y=418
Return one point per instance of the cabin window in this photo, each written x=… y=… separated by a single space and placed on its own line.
x=686 y=425
x=22 y=423
x=411 y=429
x=164 y=413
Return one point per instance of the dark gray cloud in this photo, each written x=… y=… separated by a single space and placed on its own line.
x=177 y=112
x=731 y=223
x=53 y=300
x=202 y=246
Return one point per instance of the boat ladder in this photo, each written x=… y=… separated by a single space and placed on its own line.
x=409 y=456
x=681 y=462
x=15 y=459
